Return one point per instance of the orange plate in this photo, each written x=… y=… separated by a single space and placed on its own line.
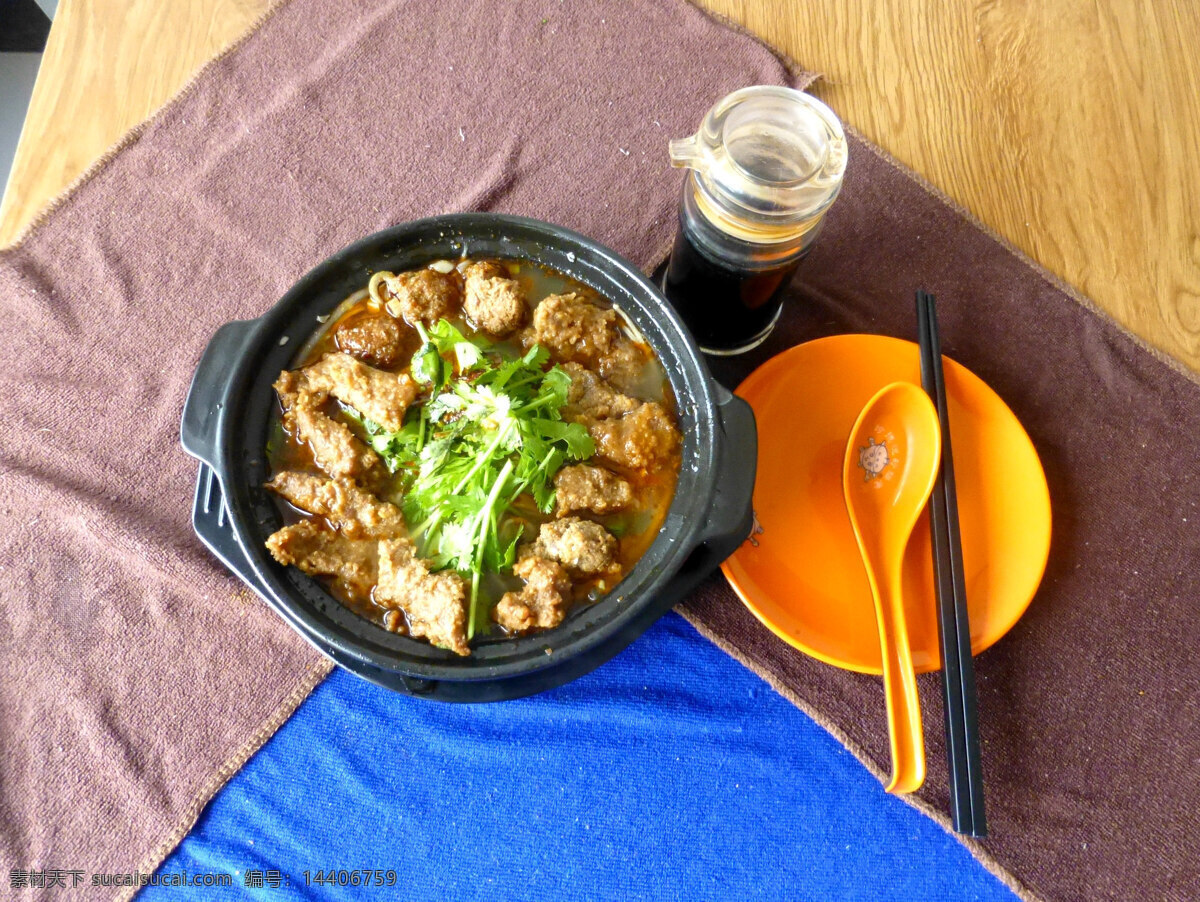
x=802 y=574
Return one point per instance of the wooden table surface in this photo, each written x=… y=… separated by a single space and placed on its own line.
x=1070 y=128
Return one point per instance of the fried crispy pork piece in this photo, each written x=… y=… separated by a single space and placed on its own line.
x=627 y=432
x=576 y=330
x=584 y=548
x=422 y=296
x=334 y=447
x=289 y=385
x=374 y=338
x=377 y=395
x=355 y=512
x=493 y=301
x=543 y=600
x=320 y=551
x=587 y=488
x=434 y=603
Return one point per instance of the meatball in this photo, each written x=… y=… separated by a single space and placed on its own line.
x=374 y=338
x=541 y=603
x=484 y=269
x=587 y=488
x=422 y=296
x=576 y=330
x=592 y=397
x=627 y=432
x=639 y=440
x=494 y=302
x=583 y=547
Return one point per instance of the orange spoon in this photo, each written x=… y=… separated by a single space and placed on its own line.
x=891 y=463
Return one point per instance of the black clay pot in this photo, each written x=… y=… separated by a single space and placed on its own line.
x=228 y=414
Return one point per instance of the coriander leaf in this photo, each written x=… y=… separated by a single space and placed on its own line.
x=468 y=356
x=490 y=432
x=397 y=449
x=446 y=336
x=457 y=541
x=443 y=406
x=536 y=358
x=543 y=496
x=506 y=556
x=556 y=384
x=435 y=452
x=428 y=368
x=468 y=352
x=579 y=443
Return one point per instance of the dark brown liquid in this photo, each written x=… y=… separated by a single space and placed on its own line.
x=725 y=308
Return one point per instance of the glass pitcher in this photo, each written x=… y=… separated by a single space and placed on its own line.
x=765 y=166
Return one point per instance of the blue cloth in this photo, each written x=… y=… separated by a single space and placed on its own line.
x=670 y=773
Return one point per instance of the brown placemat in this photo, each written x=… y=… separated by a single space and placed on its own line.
x=138 y=676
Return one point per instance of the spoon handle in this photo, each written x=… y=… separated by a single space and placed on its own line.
x=900 y=687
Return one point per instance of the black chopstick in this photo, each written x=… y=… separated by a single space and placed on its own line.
x=954 y=631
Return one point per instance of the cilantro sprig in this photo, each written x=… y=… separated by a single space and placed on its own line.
x=489 y=431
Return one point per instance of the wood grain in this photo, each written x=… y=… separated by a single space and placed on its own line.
x=108 y=65
x=1072 y=129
